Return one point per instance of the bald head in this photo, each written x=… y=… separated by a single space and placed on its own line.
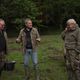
x=2 y=24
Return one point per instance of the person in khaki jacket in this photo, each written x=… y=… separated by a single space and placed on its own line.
x=29 y=37
x=71 y=37
x=3 y=45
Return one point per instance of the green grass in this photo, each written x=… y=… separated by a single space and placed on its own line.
x=51 y=62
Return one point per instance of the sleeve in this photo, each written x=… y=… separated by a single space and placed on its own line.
x=37 y=36
x=78 y=42
x=63 y=35
x=6 y=38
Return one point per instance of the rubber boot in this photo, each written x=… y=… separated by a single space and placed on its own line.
x=27 y=73
x=36 y=69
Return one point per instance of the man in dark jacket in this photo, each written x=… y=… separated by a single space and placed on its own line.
x=71 y=37
x=3 y=44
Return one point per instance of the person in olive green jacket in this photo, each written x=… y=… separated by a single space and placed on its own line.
x=30 y=38
x=71 y=37
x=3 y=45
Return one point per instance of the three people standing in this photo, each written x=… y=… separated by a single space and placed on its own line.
x=29 y=37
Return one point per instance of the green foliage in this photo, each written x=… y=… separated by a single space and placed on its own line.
x=45 y=14
x=15 y=11
x=50 y=57
x=58 y=11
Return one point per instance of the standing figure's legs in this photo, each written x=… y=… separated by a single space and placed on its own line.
x=26 y=64
x=2 y=62
x=35 y=63
x=69 y=61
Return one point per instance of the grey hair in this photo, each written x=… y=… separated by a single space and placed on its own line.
x=71 y=21
x=28 y=19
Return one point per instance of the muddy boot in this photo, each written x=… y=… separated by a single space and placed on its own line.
x=36 y=69
x=27 y=73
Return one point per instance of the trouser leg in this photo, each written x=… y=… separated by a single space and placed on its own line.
x=26 y=65
x=70 y=72
x=1 y=69
x=70 y=64
x=77 y=69
x=2 y=62
x=0 y=72
x=71 y=75
x=35 y=63
x=77 y=73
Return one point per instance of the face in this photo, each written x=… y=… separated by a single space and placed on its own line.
x=29 y=24
x=71 y=26
x=2 y=25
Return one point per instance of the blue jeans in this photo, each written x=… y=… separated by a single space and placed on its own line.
x=30 y=53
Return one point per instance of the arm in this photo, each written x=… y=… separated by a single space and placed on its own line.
x=6 y=38
x=37 y=36
x=78 y=42
x=63 y=33
x=19 y=39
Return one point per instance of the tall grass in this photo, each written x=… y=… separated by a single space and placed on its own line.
x=50 y=57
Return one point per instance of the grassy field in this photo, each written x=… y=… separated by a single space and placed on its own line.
x=51 y=62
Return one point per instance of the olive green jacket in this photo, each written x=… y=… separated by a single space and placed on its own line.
x=72 y=39
x=35 y=38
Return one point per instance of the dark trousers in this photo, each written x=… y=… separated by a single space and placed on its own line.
x=2 y=61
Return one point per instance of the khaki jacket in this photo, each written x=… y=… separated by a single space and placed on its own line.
x=35 y=38
x=72 y=39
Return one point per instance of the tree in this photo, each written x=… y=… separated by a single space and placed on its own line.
x=15 y=11
x=56 y=12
